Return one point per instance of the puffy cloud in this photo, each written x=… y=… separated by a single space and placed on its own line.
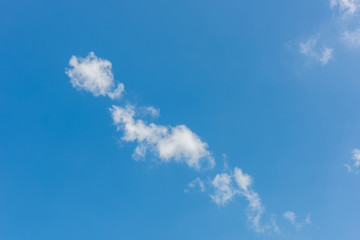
x=177 y=143
x=243 y=180
x=308 y=48
x=94 y=75
x=168 y=143
x=227 y=186
x=346 y=7
x=352 y=39
x=224 y=190
x=196 y=183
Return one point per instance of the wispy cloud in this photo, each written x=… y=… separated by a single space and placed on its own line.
x=274 y=225
x=291 y=217
x=346 y=15
x=352 y=39
x=168 y=143
x=197 y=183
x=154 y=112
x=346 y=8
x=94 y=75
x=348 y=11
x=309 y=48
x=355 y=164
x=327 y=54
x=228 y=186
x=255 y=208
x=308 y=219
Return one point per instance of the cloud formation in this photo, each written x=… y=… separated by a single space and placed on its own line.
x=177 y=143
x=196 y=183
x=228 y=186
x=346 y=8
x=308 y=48
x=291 y=217
x=355 y=164
x=153 y=112
x=352 y=39
x=168 y=143
x=223 y=189
x=94 y=75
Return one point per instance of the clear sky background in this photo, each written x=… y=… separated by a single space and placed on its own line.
x=271 y=86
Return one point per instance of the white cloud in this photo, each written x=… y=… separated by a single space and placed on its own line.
x=356 y=157
x=309 y=49
x=243 y=180
x=349 y=15
x=291 y=216
x=346 y=8
x=225 y=190
x=354 y=166
x=226 y=162
x=352 y=39
x=168 y=143
x=255 y=208
x=94 y=75
x=326 y=55
x=154 y=112
x=196 y=183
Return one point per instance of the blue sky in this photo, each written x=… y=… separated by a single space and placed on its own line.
x=179 y=120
